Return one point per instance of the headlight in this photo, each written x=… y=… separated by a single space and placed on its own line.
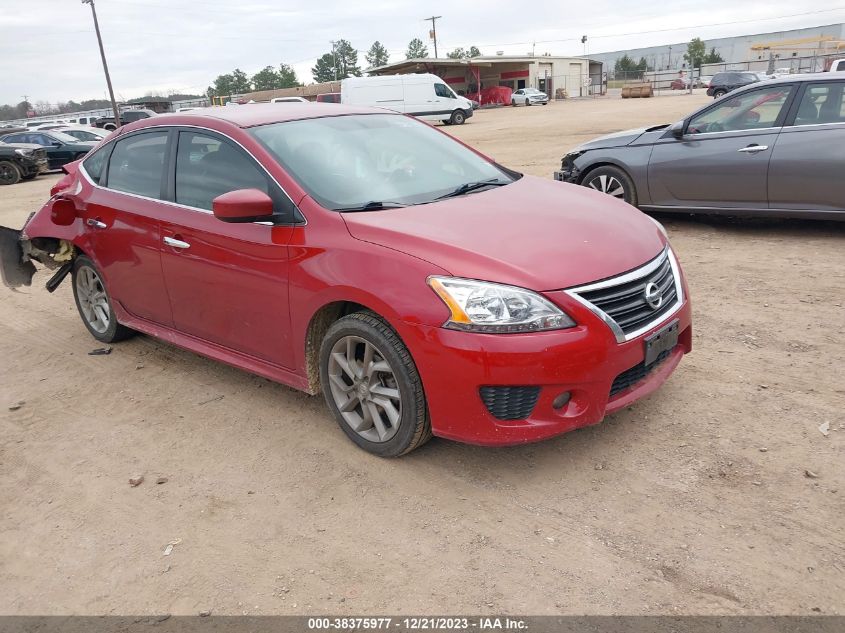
x=23 y=152
x=568 y=161
x=480 y=306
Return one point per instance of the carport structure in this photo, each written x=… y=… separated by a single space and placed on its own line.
x=558 y=77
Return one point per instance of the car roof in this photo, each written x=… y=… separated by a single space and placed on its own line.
x=253 y=114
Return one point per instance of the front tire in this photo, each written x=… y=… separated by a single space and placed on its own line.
x=458 y=117
x=719 y=93
x=94 y=304
x=9 y=173
x=612 y=181
x=372 y=386
x=527 y=102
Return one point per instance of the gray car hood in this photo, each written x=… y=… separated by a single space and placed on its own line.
x=618 y=139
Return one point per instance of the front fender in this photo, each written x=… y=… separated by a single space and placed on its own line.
x=633 y=159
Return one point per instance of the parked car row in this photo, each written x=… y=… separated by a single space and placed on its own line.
x=61 y=148
x=771 y=148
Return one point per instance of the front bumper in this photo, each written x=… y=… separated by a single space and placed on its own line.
x=32 y=166
x=584 y=361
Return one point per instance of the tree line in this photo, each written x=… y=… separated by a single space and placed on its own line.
x=695 y=56
x=339 y=63
x=22 y=109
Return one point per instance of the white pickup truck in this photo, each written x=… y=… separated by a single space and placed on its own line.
x=837 y=65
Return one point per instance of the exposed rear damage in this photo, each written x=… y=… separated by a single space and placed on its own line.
x=18 y=251
x=17 y=254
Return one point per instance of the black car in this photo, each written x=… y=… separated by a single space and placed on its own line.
x=127 y=116
x=21 y=162
x=723 y=83
x=61 y=148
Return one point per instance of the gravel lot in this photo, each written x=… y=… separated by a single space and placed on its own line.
x=717 y=495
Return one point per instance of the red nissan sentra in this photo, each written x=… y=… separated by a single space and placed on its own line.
x=422 y=287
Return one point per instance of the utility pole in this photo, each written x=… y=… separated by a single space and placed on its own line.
x=105 y=65
x=433 y=20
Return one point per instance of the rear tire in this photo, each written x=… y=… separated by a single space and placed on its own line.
x=9 y=173
x=459 y=117
x=372 y=386
x=609 y=179
x=94 y=303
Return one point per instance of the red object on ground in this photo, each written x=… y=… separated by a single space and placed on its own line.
x=495 y=95
x=248 y=293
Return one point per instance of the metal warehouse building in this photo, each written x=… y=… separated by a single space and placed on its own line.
x=782 y=45
x=559 y=77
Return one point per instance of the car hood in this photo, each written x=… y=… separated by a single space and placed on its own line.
x=534 y=233
x=619 y=139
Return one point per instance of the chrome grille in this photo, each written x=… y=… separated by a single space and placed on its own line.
x=622 y=302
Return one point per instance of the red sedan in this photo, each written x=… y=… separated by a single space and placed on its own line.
x=423 y=288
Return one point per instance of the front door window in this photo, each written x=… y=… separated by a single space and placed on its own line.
x=752 y=110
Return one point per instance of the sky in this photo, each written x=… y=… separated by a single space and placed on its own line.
x=48 y=49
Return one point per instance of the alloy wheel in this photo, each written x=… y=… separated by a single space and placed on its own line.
x=364 y=389
x=93 y=301
x=609 y=185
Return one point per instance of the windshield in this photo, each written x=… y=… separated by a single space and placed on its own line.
x=346 y=162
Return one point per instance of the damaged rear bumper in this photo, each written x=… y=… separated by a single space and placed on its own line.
x=17 y=254
x=15 y=269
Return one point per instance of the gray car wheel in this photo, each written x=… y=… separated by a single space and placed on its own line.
x=612 y=181
x=94 y=304
x=372 y=386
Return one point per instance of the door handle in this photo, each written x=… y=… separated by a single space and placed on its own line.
x=753 y=149
x=95 y=223
x=172 y=241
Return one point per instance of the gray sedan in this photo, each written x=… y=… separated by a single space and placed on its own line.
x=775 y=148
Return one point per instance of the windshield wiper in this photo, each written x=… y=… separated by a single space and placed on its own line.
x=472 y=186
x=373 y=205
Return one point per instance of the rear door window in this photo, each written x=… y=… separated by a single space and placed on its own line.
x=137 y=164
x=822 y=103
x=95 y=164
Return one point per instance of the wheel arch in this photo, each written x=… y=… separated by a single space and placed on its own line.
x=319 y=323
x=602 y=163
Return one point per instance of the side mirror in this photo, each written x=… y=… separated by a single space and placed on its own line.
x=677 y=129
x=243 y=205
x=63 y=212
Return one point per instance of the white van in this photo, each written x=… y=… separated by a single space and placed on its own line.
x=425 y=96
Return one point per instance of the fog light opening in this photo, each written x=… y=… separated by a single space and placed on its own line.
x=562 y=400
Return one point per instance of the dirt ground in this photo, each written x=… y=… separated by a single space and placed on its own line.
x=717 y=495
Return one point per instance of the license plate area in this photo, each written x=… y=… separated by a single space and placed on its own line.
x=661 y=341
